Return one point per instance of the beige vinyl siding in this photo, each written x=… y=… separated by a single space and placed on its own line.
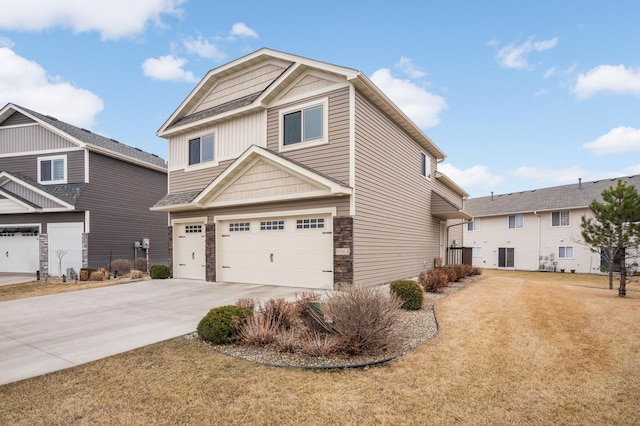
x=331 y=159
x=33 y=138
x=250 y=82
x=395 y=235
x=308 y=83
x=27 y=165
x=182 y=180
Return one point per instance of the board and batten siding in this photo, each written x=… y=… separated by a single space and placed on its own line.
x=330 y=159
x=27 y=165
x=118 y=197
x=395 y=235
x=31 y=138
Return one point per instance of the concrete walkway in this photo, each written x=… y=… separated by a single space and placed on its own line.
x=43 y=334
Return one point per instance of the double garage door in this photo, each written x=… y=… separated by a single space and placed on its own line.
x=292 y=251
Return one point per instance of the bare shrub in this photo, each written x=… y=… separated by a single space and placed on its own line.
x=288 y=341
x=135 y=274
x=476 y=271
x=432 y=280
x=246 y=303
x=301 y=307
x=452 y=275
x=96 y=276
x=141 y=264
x=259 y=330
x=364 y=318
x=281 y=313
x=320 y=344
x=123 y=266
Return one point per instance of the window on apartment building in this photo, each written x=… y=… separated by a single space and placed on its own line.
x=516 y=221
x=304 y=124
x=476 y=252
x=52 y=169
x=565 y=252
x=561 y=218
x=201 y=149
x=425 y=165
x=473 y=224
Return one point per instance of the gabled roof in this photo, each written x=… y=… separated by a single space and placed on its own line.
x=578 y=195
x=31 y=197
x=299 y=182
x=293 y=66
x=88 y=139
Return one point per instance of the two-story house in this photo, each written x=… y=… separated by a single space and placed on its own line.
x=537 y=229
x=289 y=171
x=70 y=195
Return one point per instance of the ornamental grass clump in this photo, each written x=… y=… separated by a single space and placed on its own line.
x=409 y=292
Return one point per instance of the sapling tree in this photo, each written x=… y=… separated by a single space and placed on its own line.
x=60 y=253
x=614 y=226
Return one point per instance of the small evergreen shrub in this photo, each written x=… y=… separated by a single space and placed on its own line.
x=122 y=266
x=221 y=324
x=159 y=272
x=409 y=292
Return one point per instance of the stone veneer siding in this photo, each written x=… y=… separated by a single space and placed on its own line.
x=210 y=252
x=342 y=251
x=169 y=250
x=44 y=254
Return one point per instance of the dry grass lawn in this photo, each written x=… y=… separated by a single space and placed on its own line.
x=512 y=349
x=41 y=288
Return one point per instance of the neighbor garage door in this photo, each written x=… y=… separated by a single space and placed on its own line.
x=289 y=251
x=189 y=251
x=19 y=252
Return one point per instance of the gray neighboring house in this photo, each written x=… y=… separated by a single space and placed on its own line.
x=66 y=188
x=537 y=229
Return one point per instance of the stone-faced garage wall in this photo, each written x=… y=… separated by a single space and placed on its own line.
x=210 y=251
x=342 y=251
x=170 y=250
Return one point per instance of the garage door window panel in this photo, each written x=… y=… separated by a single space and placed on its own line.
x=272 y=225
x=239 y=227
x=310 y=223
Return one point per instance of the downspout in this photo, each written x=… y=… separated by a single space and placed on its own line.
x=535 y=213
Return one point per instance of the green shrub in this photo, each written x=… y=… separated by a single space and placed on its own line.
x=159 y=272
x=221 y=324
x=89 y=270
x=409 y=292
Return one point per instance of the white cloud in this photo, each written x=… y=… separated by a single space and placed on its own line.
x=405 y=65
x=550 y=72
x=420 y=105
x=240 y=29
x=618 y=140
x=615 y=79
x=112 y=19
x=517 y=56
x=476 y=176
x=5 y=42
x=552 y=176
x=204 y=48
x=167 y=68
x=26 y=83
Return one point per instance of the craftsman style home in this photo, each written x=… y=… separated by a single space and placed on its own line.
x=70 y=198
x=536 y=230
x=290 y=171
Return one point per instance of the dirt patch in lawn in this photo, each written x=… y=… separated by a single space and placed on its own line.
x=515 y=351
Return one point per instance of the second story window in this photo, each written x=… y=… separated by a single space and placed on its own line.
x=516 y=221
x=201 y=149
x=305 y=125
x=52 y=169
x=473 y=225
x=425 y=165
x=561 y=218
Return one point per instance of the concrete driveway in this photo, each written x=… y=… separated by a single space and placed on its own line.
x=7 y=278
x=43 y=334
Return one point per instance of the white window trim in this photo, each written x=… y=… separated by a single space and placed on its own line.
x=476 y=225
x=299 y=107
x=477 y=251
x=560 y=226
x=515 y=228
x=427 y=165
x=206 y=164
x=52 y=158
x=573 y=252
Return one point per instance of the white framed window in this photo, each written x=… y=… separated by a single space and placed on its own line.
x=304 y=125
x=476 y=252
x=239 y=227
x=52 y=169
x=473 y=224
x=201 y=149
x=310 y=223
x=561 y=218
x=425 y=165
x=516 y=221
x=565 y=252
x=271 y=225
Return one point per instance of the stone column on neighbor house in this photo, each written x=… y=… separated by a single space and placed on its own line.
x=170 y=250
x=85 y=251
x=342 y=251
x=44 y=255
x=210 y=251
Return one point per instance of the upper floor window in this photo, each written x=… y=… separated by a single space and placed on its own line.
x=52 y=169
x=304 y=125
x=425 y=165
x=561 y=218
x=516 y=221
x=473 y=225
x=201 y=149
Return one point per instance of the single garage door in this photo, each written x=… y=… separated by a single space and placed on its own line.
x=65 y=247
x=189 y=251
x=288 y=251
x=19 y=251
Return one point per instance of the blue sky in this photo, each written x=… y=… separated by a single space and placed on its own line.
x=518 y=94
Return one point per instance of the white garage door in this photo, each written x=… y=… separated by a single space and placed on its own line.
x=288 y=251
x=189 y=251
x=65 y=239
x=19 y=252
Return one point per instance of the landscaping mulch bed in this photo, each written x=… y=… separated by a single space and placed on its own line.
x=417 y=328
